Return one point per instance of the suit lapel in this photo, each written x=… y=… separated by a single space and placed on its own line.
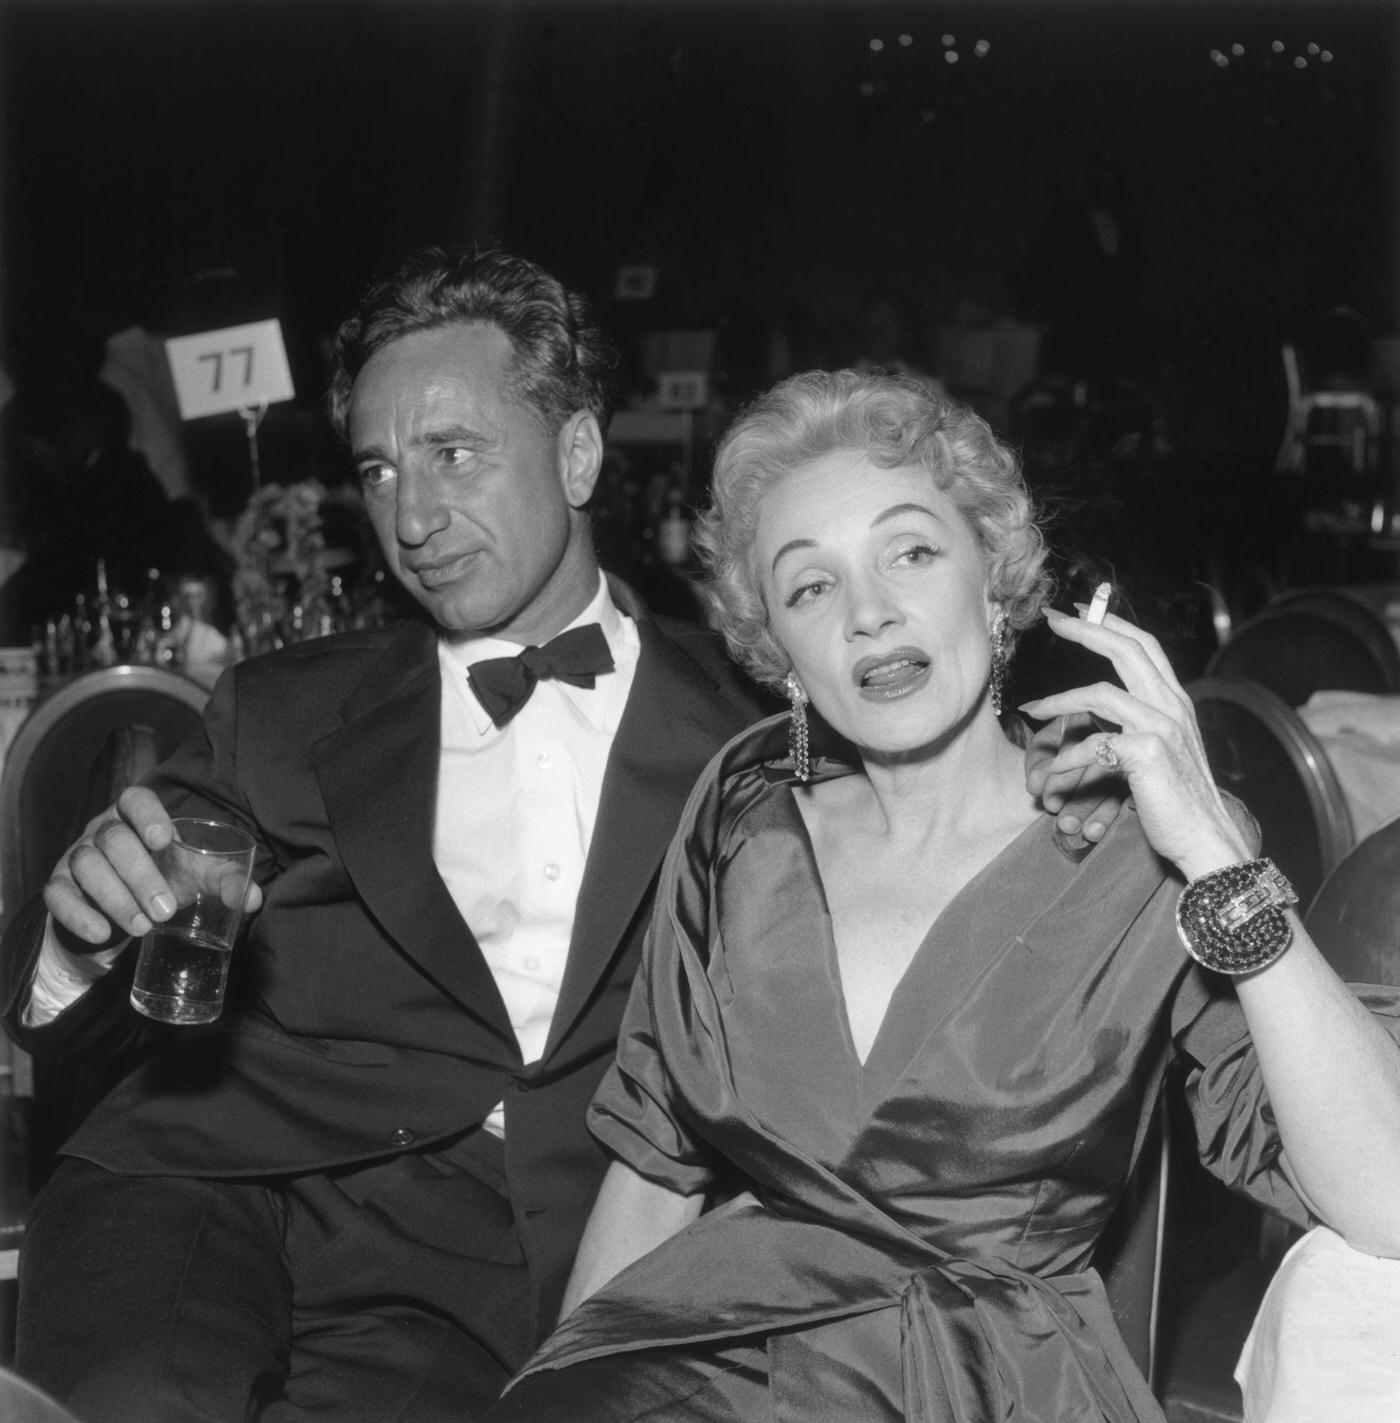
x=378 y=777
x=676 y=719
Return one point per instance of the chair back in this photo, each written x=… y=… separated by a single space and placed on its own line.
x=1292 y=373
x=21 y=1402
x=1298 y=651
x=75 y=751
x=1361 y=617
x=1355 y=917
x=1261 y=751
x=72 y=755
x=1338 y=390
x=1129 y=1253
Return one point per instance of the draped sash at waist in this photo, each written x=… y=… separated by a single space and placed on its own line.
x=983 y=1340
x=980 y=1338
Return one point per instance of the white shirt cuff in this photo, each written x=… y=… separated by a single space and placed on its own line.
x=62 y=977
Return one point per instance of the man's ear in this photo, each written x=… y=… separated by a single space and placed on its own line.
x=580 y=449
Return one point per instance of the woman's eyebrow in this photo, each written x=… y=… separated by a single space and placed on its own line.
x=895 y=510
x=789 y=547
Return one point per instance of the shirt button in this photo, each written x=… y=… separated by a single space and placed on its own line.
x=552 y=871
x=532 y=964
x=544 y=761
x=402 y=1137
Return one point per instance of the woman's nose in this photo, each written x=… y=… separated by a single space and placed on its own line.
x=870 y=609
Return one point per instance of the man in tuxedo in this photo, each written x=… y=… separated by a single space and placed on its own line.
x=358 y=1196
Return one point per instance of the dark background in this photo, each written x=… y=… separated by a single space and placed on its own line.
x=195 y=164
x=152 y=152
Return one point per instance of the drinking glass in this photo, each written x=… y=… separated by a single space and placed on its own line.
x=182 y=969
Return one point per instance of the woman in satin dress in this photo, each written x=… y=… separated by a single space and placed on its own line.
x=897 y=1042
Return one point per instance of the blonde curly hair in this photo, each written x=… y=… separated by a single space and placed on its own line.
x=895 y=422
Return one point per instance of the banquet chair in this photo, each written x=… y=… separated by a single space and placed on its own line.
x=81 y=745
x=1220 y=1251
x=1355 y=916
x=21 y=1402
x=1129 y=1254
x=1352 y=417
x=1361 y=616
x=1262 y=752
x=1298 y=650
x=72 y=755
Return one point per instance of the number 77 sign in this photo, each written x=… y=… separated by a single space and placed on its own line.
x=236 y=368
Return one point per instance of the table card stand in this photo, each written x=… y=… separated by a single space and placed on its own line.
x=236 y=368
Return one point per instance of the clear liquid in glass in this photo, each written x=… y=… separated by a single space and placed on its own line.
x=181 y=976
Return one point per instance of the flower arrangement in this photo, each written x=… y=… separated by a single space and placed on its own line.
x=285 y=587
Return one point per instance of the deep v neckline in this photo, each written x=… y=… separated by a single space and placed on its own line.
x=873 y=1065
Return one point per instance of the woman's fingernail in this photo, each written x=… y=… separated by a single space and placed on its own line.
x=163 y=905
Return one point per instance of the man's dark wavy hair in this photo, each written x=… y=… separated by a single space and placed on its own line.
x=562 y=361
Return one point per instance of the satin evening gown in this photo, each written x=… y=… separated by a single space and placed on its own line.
x=909 y=1237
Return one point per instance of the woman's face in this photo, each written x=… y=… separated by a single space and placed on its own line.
x=876 y=589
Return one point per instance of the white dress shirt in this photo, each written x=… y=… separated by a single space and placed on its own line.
x=515 y=812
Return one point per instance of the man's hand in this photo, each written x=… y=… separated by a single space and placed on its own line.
x=1084 y=800
x=107 y=886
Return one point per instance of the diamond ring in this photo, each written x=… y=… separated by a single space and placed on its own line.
x=1106 y=753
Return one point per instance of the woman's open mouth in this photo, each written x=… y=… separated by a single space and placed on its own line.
x=896 y=674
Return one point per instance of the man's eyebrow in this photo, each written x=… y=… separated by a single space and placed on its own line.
x=445 y=435
x=449 y=435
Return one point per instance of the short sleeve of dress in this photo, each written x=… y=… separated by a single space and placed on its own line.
x=634 y=1113
x=639 y=1111
x=1236 y=1133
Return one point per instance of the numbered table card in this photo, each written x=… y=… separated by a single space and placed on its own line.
x=233 y=369
x=683 y=390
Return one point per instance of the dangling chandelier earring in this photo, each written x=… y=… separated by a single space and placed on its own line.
x=998 y=676
x=798 y=747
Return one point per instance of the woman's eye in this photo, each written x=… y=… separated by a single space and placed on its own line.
x=916 y=554
x=805 y=592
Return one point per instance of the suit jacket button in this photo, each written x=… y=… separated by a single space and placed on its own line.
x=402 y=1137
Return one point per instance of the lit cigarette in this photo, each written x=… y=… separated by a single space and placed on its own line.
x=1098 y=607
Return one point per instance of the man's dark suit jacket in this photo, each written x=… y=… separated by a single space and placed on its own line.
x=363 y=1018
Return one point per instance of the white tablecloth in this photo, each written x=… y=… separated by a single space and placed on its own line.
x=1326 y=1343
x=1360 y=733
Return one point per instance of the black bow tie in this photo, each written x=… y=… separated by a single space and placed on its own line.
x=503 y=684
